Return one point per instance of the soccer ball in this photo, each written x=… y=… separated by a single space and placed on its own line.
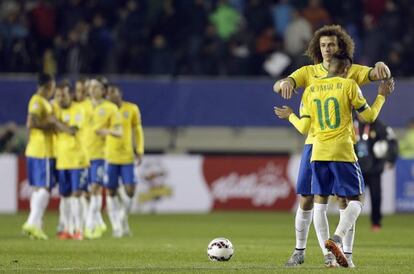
x=220 y=250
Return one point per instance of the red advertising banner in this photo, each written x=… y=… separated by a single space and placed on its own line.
x=249 y=182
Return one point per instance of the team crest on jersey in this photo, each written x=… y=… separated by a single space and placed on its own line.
x=101 y=112
x=35 y=105
x=126 y=114
x=66 y=118
x=78 y=117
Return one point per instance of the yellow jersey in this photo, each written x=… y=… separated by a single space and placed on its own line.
x=87 y=109
x=56 y=112
x=306 y=75
x=40 y=143
x=121 y=150
x=105 y=115
x=71 y=151
x=328 y=103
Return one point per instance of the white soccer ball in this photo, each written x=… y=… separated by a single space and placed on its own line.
x=220 y=250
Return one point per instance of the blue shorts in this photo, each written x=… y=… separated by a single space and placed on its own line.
x=71 y=180
x=303 y=185
x=113 y=172
x=41 y=172
x=97 y=171
x=337 y=178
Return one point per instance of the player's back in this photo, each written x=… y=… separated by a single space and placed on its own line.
x=329 y=103
x=40 y=143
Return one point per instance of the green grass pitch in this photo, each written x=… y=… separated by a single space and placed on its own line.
x=177 y=243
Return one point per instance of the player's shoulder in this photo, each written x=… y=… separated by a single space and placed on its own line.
x=358 y=67
x=129 y=105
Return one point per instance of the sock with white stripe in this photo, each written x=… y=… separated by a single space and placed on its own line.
x=320 y=222
x=349 y=218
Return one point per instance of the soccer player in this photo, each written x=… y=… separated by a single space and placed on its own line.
x=325 y=42
x=39 y=150
x=327 y=108
x=120 y=154
x=104 y=121
x=82 y=99
x=72 y=162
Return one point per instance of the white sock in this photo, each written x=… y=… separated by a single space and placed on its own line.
x=34 y=210
x=64 y=213
x=93 y=207
x=349 y=218
x=320 y=222
x=43 y=201
x=98 y=213
x=61 y=225
x=84 y=209
x=348 y=240
x=113 y=211
x=76 y=213
x=303 y=220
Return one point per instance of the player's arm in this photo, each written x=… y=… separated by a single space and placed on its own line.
x=34 y=121
x=287 y=86
x=115 y=127
x=370 y=113
x=379 y=72
x=138 y=134
x=301 y=124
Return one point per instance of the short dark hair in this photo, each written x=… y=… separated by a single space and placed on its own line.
x=44 y=79
x=339 y=61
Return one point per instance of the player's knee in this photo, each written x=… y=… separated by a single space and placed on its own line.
x=306 y=202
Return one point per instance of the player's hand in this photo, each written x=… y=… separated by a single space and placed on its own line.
x=283 y=113
x=386 y=87
x=381 y=71
x=138 y=159
x=286 y=89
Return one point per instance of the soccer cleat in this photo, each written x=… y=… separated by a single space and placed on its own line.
x=330 y=260
x=77 y=236
x=336 y=248
x=349 y=259
x=64 y=235
x=34 y=232
x=101 y=229
x=91 y=235
x=297 y=258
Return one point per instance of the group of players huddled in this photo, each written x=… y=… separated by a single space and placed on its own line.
x=85 y=140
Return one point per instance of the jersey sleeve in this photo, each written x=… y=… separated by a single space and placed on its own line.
x=35 y=106
x=302 y=124
x=300 y=77
x=360 y=74
x=369 y=114
x=138 y=131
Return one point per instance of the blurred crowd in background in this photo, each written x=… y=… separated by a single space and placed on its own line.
x=195 y=37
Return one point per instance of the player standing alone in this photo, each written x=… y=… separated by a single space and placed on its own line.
x=120 y=154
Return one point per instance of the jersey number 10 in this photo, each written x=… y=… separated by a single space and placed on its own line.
x=323 y=115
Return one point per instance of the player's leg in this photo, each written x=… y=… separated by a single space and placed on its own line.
x=84 y=198
x=93 y=224
x=64 y=206
x=303 y=217
x=349 y=176
x=348 y=240
x=76 y=178
x=129 y=183
x=322 y=187
x=40 y=178
x=113 y=205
